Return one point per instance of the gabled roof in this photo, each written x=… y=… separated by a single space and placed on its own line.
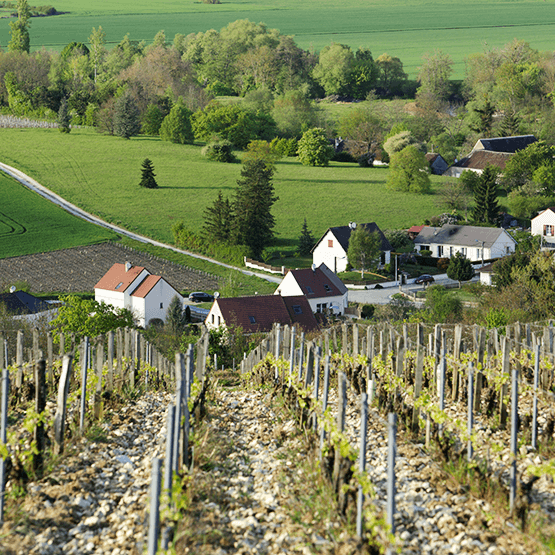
x=261 y=312
x=318 y=282
x=145 y=286
x=506 y=144
x=460 y=235
x=416 y=228
x=551 y=209
x=20 y=302
x=117 y=279
x=480 y=159
x=343 y=234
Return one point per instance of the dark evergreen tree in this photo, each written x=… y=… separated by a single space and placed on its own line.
x=126 y=117
x=484 y=120
x=63 y=117
x=255 y=195
x=152 y=120
x=510 y=124
x=306 y=240
x=218 y=220
x=176 y=318
x=460 y=268
x=148 y=175
x=486 y=207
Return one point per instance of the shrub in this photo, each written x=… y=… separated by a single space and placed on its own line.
x=284 y=147
x=425 y=252
x=367 y=311
x=221 y=151
x=443 y=264
x=344 y=156
x=314 y=149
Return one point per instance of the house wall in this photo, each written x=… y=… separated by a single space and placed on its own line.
x=503 y=246
x=473 y=252
x=110 y=297
x=339 y=301
x=215 y=318
x=289 y=287
x=544 y=226
x=334 y=257
x=157 y=301
x=486 y=278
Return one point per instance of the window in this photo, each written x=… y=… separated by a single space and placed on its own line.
x=219 y=321
x=327 y=287
x=330 y=243
x=478 y=253
x=320 y=307
x=161 y=305
x=297 y=309
x=450 y=251
x=424 y=247
x=309 y=289
x=549 y=230
x=463 y=251
x=212 y=318
x=508 y=250
x=252 y=319
x=440 y=251
x=118 y=285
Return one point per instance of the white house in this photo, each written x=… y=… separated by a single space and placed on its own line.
x=544 y=226
x=332 y=248
x=133 y=287
x=321 y=287
x=476 y=243
x=486 y=274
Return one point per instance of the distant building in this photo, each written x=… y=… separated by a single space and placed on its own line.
x=544 y=226
x=24 y=306
x=133 y=287
x=437 y=163
x=261 y=312
x=332 y=247
x=490 y=152
x=324 y=291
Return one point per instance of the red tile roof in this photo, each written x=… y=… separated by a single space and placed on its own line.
x=261 y=312
x=480 y=159
x=415 y=229
x=117 y=275
x=146 y=285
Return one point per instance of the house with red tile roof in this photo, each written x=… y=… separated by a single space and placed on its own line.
x=324 y=291
x=261 y=312
x=133 y=287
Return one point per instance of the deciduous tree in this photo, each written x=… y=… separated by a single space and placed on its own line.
x=409 y=171
x=364 y=248
x=176 y=126
x=314 y=148
x=19 y=29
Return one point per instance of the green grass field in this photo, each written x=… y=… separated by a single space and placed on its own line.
x=30 y=224
x=404 y=29
x=101 y=175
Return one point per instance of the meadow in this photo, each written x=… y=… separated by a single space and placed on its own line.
x=30 y=224
x=403 y=29
x=101 y=174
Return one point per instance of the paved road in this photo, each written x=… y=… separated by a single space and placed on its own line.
x=30 y=183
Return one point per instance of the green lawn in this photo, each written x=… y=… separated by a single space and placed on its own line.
x=404 y=29
x=101 y=175
x=30 y=224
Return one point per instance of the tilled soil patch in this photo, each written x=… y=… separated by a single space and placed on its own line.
x=80 y=268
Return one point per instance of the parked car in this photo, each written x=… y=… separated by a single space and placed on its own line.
x=200 y=297
x=425 y=278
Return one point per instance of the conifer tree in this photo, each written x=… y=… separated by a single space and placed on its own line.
x=460 y=268
x=148 y=175
x=486 y=208
x=218 y=220
x=306 y=240
x=63 y=117
x=255 y=195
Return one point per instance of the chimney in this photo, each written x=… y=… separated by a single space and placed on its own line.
x=352 y=225
x=314 y=267
x=128 y=266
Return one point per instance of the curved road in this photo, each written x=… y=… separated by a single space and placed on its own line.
x=30 y=183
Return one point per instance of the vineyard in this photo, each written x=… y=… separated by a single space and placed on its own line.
x=430 y=440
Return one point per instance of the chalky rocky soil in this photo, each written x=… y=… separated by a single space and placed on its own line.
x=253 y=490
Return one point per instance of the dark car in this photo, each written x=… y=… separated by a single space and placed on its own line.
x=200 y=297
x=425 y=278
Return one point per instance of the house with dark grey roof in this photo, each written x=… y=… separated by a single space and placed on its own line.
x=476 y=243
x=332 y=247
x=261 y=312
x=133 y=287
x=24 y=306
x=490 y=152
x=437 y=163
x=324 y=291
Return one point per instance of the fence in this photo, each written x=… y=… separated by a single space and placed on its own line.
x=249 y=263
x=440 y=386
